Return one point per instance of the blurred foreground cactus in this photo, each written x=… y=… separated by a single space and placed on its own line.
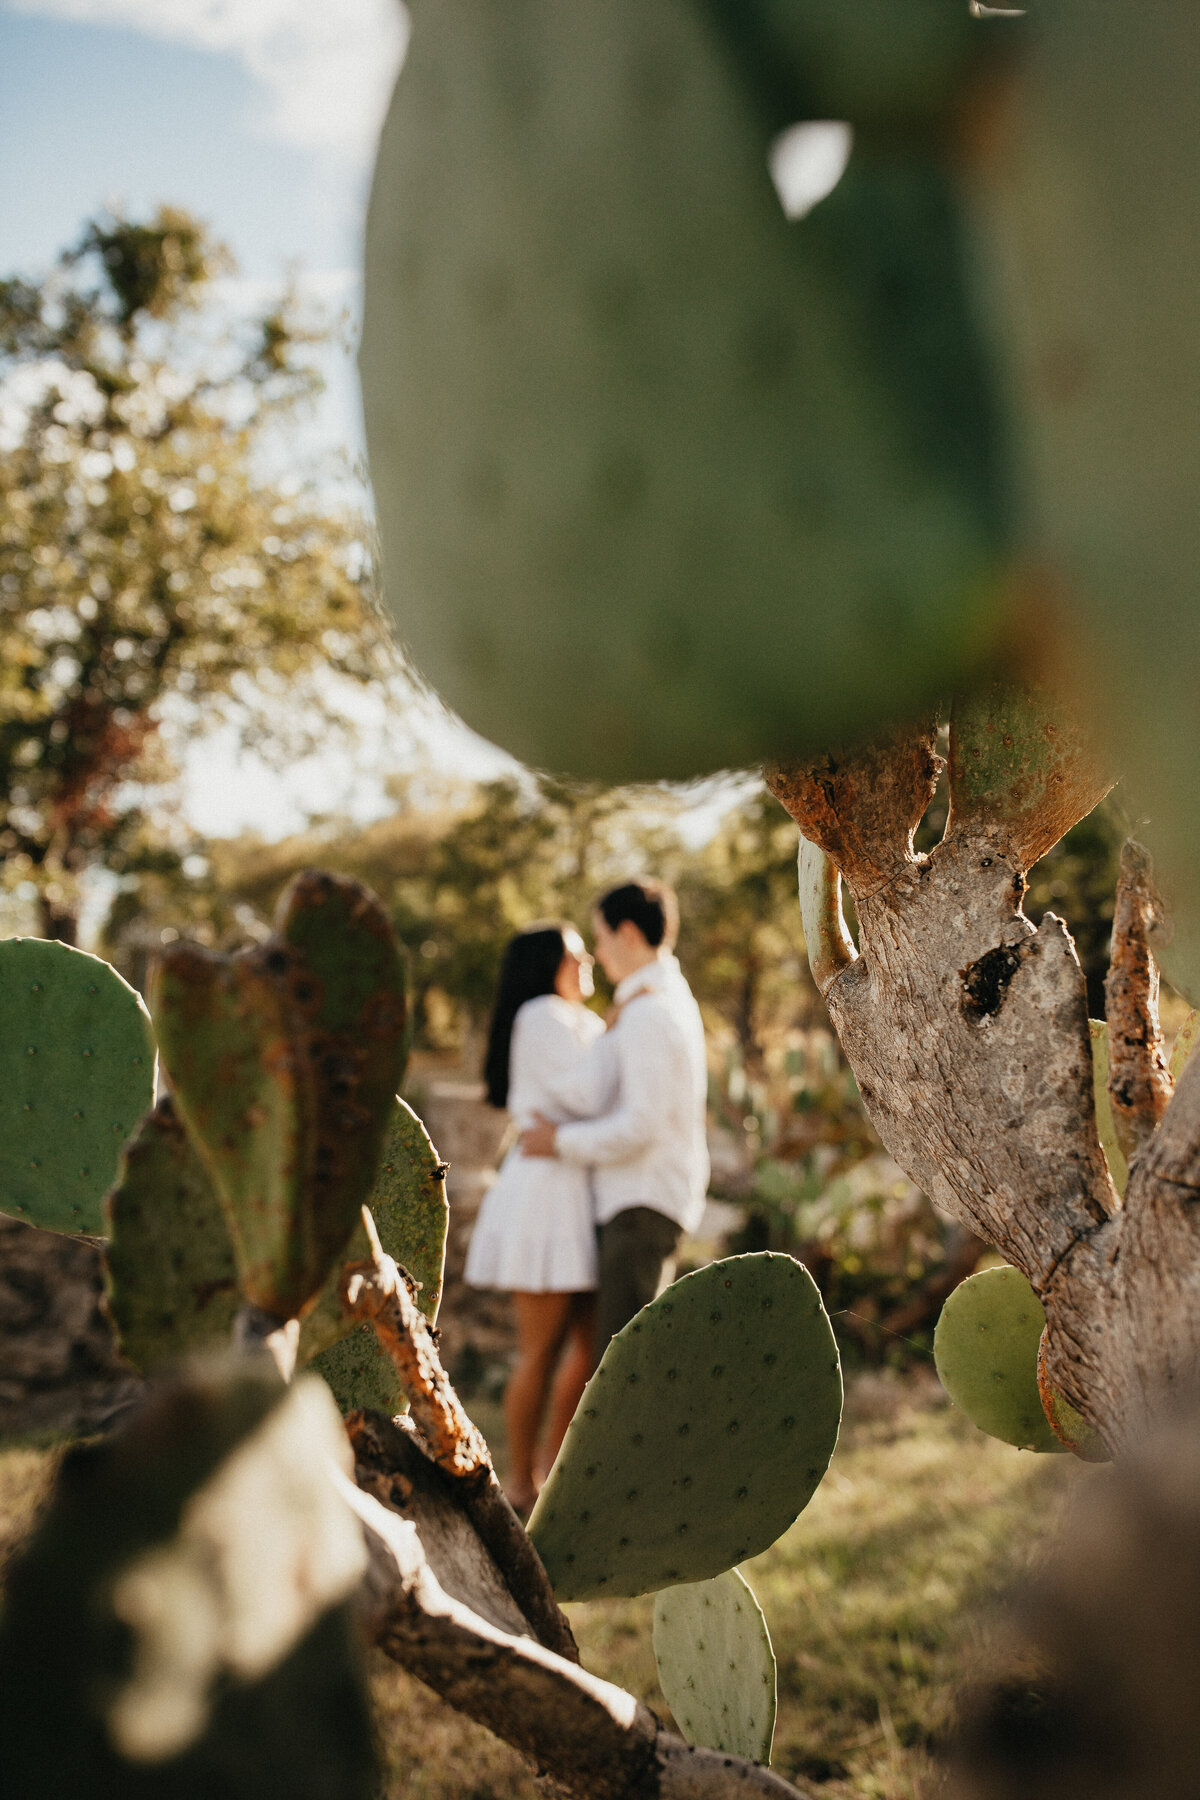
x=188 y=1587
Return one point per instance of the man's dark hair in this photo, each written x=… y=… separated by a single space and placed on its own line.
x=650 y=905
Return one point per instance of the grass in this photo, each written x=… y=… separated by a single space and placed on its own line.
x=879 y=1599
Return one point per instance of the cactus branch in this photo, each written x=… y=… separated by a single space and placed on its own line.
x=593 y=1739
x=967 y=1031
x=378 y=1292
x=1139 y=1085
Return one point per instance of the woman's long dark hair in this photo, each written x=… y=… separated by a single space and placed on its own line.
x=530 y=966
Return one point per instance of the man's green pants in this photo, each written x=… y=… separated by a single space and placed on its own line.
x=635 y=1246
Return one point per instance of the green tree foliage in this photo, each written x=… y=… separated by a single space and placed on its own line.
x=144 y=551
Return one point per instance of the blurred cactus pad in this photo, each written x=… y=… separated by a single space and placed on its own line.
x=172 y=1280
x=284 y=1062
x=76 y=1075
x=179 y=1622
x=986 y=1350
x=609 y=385
x=701 y=1436
x=716 y=1666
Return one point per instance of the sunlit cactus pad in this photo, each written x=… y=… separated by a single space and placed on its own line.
x=1106 y=1128
x=716 y=1666
x=701 y=1436
x=76 y=1075
x=986 y=1350
x=172 y=1281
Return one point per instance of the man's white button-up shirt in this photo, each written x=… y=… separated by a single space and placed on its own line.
x=643 y=1089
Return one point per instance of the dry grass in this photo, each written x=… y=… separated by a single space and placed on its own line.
x=878 y=1600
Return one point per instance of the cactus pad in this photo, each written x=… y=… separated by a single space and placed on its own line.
x=701 y=1436
x=172 y=1281
x=408 y=1204
x=1018 y=769
x=1185 y=1043
x=986 y=1350
x=716 y=1666
x=283 y=1061
x=178 y=1624
x=605 y=377
x=1118 y=1168
x=76 y=1075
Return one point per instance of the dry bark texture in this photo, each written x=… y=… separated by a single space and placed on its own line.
x=967 y=1031
x=60 y=1368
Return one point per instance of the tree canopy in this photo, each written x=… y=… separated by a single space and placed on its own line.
x=147 y=550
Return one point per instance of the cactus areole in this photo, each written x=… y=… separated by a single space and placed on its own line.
x=701 y=1436
x=667 y=482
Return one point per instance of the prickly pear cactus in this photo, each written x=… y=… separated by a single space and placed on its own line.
x=716 y=1666
x=408 y=1204
x=605 y=377
x=1106 y=1127
x=1185 y=1042
x=986 y=1350
x=1067 y=1423
x=701 y=1436
x=1018 y=770
x=179 y=1623
x=172 y=1280
x=76 y=1075
x=284 y=1062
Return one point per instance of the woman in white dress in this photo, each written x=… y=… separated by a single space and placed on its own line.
x=535 y=1235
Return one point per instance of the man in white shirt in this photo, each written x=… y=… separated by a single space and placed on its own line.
x=642 y=1091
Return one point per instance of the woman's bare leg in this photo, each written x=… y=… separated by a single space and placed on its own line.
x=542 y=1323
x=573 y=1374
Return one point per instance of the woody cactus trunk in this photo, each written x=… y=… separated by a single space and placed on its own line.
x=968 y=1033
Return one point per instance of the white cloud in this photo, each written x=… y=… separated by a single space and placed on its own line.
x=327 y=66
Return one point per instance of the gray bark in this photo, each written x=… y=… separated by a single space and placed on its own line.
x=967 y=1031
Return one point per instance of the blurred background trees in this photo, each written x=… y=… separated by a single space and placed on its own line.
x=150 y=556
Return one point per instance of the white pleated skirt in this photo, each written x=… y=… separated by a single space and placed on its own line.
x=535 y=1232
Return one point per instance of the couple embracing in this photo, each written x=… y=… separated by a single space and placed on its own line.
x=611 y=1164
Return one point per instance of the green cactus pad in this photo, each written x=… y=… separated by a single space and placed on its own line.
x=716 y=1666
x=1185 y=1043
x=1106 y=1127
x=1018 y=769
x=283 y=1061
x=172 y=1280
x=986 y=1350
x=701 y=1436
x=180 y=1623
x=408 y=1204
x=605 y=377
x=76 y=1075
